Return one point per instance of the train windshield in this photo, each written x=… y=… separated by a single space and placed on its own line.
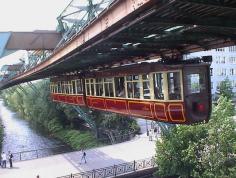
x=196 y=82
x=197 y=93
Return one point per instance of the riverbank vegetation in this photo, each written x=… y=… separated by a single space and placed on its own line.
x=204 y=150
x=34 y=103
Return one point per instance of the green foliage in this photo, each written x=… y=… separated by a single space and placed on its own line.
x=37 y=107
x=112 y=121
x=77 y=139
x=59 y=119
x=206 y=150
x=225 y=89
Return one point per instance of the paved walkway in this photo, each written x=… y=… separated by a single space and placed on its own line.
x=64 y=164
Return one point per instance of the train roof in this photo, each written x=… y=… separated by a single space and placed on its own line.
x=138 y=68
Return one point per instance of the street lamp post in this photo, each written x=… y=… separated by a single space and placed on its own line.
x=147 y=128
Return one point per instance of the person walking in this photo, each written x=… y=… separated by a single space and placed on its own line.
x=83 y=158
x=10 y=157
x=4 y=160
x=150 y=135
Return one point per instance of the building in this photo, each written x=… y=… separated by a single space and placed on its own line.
x=223 y=66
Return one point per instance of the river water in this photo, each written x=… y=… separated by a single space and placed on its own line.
x=21 y=136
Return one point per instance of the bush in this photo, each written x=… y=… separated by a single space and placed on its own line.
x=205 y=150
x=77 y=139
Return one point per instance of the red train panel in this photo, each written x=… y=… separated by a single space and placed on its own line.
x=116 y=105
x=140 y=109
x=160 y=111
x=96 y=103
x=70 y=99
x=164 y=111
x=176 y=112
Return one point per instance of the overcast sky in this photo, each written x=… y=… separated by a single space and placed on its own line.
x=28 y=15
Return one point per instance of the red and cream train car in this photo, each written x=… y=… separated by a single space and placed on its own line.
x=177 y=93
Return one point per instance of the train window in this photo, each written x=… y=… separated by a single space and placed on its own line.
x=133 y=86
x=79 y=85
x=146 y=87
x=70 y=87
x=87 y=87
x=59 y=87
x=88 y=92
x=92 y=87
x=99 y=86
x=108 y=86
x=51 y=87
x=55 y=87
x=73 y=86
x=174 y=87
x=196 y=83
x=158 y=86
x=67 y=88
x=63 y=87
x=120 y=87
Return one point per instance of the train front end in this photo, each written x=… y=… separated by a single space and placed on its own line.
x=197 y=92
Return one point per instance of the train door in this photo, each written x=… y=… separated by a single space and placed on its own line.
x=197 y=93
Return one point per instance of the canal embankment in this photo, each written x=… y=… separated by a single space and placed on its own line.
x=23 y=139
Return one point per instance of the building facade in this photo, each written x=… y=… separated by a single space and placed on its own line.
x=223 y=66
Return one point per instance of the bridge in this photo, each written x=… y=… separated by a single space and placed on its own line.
x=118 y=32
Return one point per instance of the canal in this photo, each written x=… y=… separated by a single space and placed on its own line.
x=24 y=139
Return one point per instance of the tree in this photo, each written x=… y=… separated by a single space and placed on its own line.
x=225 y=89
x=205 y=150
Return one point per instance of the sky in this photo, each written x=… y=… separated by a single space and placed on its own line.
x=28 y=15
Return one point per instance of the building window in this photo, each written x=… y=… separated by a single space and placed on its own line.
x=220 y=49
x=211 y=71
x=232 y=71
x=232 y=49
x=232 y=60
x=222 y=61
x=217 y=59
x=221 y=72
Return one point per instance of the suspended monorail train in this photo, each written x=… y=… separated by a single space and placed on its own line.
x=177 y=93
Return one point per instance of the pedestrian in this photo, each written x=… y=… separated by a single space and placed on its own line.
x=150 y=135
x=83 y=158
x=4 y=160
x=10 y=157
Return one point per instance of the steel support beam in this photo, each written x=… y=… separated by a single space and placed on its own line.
x=106 y=20
x=87 y=119
x=213 y=3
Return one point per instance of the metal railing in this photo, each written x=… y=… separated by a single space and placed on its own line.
x=117 y=138
x=43 y=152
x=116 y=170
x=39 y=153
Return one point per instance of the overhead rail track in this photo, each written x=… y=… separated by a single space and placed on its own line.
x=129 y=31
